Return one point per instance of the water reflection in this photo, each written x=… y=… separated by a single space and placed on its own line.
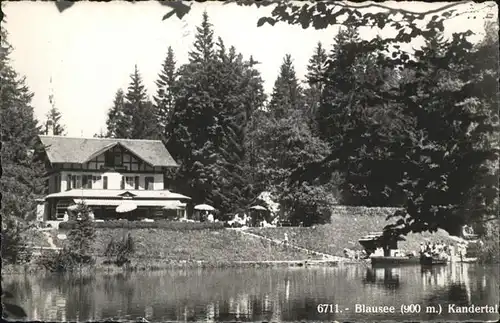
x=254 y=294
x=385 y=277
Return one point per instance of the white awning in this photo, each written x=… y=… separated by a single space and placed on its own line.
x=114 y=203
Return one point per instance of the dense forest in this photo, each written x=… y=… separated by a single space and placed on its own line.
x=369 y=125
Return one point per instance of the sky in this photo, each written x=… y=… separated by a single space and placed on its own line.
x=90 y=50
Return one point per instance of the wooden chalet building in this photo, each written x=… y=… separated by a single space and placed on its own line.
x=106 y=173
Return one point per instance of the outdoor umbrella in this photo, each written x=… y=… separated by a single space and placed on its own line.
x=126 y=207
x=204 y=207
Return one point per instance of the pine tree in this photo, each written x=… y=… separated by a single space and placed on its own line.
x=53 y=124
x=204 y=43
x=115 y=116
x=287 y=93
x=207 y=132
x=132 y=115
x=316 y=70
x=136 y=92
x=81 y=237
x=164 y=99
x=454 y=103
x=21 y=181
x=192 y=129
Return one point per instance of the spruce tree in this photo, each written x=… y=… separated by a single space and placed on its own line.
x=115 y=116
x=53 y=123
x=132 y=115
x=164 y=99
x=287 y=93
x=204 y=44
x=207 y=131
x=315 y=80
x=21 y=181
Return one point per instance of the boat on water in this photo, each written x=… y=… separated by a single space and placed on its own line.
x=424 y=260
x=381 y=261
x=429 y=260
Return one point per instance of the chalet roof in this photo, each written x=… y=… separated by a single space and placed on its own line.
x=61 y=149
x=118 y=194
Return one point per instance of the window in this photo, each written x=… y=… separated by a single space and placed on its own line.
x=149 y=183
x=136 y=182
x=87 y=181
x=77 y=181
x=105 y=182
x=118 y=159
x=61 y=208
x=129 y=182
x=68 y=182
x=122 y=183
x=109 y=158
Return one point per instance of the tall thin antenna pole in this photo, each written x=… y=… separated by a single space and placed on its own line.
x=52 y=100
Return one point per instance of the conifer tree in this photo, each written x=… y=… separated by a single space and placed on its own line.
x=315 y=80
x=115 y=115
x=204 y=43
x=21 y=181
x=53 y=123
x=164 y=99
x=132 y=115
x=287 y=93
x=206 y=133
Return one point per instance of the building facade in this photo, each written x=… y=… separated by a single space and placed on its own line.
x=106 y=173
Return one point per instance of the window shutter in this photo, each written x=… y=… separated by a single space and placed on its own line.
x=105 y=182
x=89 y=181
x=122 y=184
x=68 y=182
x=136 y=182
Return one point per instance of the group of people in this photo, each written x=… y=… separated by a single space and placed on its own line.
x=439 y=249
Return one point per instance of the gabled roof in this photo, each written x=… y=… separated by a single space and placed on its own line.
x=80 y=150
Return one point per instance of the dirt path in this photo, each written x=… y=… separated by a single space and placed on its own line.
x=308 y=251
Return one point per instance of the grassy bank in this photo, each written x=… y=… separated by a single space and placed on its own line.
x=213 y=246
x=344 y=232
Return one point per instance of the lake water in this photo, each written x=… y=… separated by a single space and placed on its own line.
x=277 y=295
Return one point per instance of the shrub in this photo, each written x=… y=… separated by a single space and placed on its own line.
x=166 y=225
x=79 y=247
x=64 y=260
x=490 y=250
x=82 y=235
x=119 y=252
x=14 y=242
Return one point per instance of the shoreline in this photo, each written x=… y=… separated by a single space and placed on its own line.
x=136 y=265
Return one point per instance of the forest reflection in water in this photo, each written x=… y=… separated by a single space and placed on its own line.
x=285 y=294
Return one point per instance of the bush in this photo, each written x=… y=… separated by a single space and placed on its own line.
x=490 y=250
x=64 y=260
x=166 y=225
x=119 y=252
x=79 y=247
x=14 y=242
x=82 y=235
